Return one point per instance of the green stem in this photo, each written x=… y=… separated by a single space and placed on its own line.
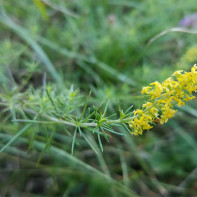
x=88 y=124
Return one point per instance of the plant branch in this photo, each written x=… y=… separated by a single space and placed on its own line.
x=74 y=124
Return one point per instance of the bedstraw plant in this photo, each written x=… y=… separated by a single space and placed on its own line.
x=72 y=110
x=78 y=117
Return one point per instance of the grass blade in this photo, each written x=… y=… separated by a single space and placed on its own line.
x=15 y=137
x=174 y=29
x=21 y=32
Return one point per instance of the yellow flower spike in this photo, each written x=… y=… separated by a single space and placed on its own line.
x=174 y=90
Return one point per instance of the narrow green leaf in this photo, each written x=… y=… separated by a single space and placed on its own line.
x=85 y=106
x=105 y=110
x=73 y=141
x=80 y=132
x=110 y=130
x=52 y=102
x=100 y=142
x=105 y=136
x=128 y=109
x=88 y=141
x=45 y=148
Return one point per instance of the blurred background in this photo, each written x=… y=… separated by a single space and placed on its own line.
x=102 y=46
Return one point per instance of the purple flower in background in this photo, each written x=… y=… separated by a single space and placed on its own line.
x=189 y=21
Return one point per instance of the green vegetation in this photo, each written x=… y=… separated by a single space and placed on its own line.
x=70 y=73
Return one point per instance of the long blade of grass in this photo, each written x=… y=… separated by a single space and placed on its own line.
x=15 y=137
x=124 y=168
x=174 y=29
x=21 y=32
x=66 y=157
x=93 y=60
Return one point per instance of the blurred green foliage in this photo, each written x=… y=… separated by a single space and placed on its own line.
x=99 y=46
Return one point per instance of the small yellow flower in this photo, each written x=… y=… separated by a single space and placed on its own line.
x=178 y=72
x=138 y=111
x=145 y=89
x=147 y=104
x=188 y=98
x=179 y=101
x=166 y=114
x=154 y=111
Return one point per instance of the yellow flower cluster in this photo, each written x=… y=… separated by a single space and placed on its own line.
x=163 y=97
